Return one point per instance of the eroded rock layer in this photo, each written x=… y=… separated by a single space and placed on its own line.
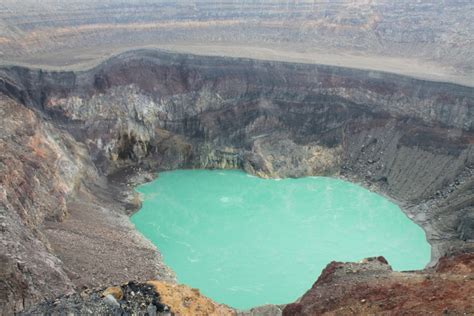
x=74 y=140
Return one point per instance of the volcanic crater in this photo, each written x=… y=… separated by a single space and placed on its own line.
x=75 y=143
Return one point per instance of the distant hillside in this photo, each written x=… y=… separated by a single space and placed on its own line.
x=429 y=39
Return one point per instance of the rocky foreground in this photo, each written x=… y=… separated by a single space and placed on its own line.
x=368 y=287
x=133 y=298
x=73 y=145
x=372 y=288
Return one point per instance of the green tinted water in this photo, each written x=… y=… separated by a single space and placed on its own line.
x=246 y=241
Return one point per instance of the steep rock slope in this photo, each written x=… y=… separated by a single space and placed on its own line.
x=147 y=111
x=44 y=174
x=37 y=175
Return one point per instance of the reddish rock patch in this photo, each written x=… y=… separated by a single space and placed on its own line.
x=371 y=287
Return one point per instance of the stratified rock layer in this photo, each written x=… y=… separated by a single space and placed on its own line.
x=93 y=132
x=429 y=39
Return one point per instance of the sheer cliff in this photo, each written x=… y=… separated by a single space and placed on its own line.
x=73 y=140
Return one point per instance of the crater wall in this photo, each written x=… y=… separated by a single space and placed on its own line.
x=409 y=139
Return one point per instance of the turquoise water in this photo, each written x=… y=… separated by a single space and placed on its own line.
x=246 y=241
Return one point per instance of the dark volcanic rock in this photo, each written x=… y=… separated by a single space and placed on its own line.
x=137 y=299
x=466 y=227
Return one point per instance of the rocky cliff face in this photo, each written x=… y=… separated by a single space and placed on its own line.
x=410 y=139
x=38 y=172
